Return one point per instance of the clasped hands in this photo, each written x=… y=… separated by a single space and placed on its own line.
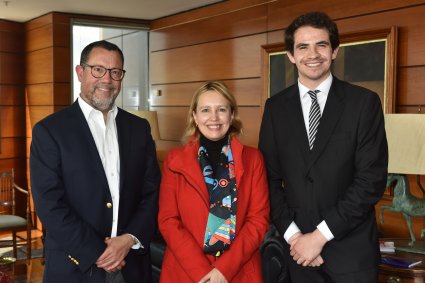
x=305 y=249
x=117 y=248
x=214 y=276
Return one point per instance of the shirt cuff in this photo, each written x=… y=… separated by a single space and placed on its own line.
x=324 y=229
x=291 y=231
x=137 y=244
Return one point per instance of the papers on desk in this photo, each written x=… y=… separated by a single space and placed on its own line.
x=399 y=261
x=386 y=247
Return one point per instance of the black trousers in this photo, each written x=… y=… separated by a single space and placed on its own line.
x=300 y=274
x=114 y=277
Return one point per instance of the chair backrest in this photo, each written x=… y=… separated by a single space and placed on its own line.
x=7 y=192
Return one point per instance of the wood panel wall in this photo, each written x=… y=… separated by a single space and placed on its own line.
x=223 y=42
x=12 y=100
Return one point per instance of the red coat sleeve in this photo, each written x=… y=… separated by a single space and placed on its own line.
x=179 y=240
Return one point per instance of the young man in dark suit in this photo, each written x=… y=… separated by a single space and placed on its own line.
x=326 y=154
x=95 y=180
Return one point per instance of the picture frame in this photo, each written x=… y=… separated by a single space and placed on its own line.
x=366 y=58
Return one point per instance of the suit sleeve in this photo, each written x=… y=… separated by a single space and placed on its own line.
x=180 y=241
x=144 y=219
x=77 y=238
x=281 y=214
x=370 y=172
x=254 y=227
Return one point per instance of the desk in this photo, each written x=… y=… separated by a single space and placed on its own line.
x=391 y=274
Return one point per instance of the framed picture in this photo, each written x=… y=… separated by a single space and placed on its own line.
x=366 y=58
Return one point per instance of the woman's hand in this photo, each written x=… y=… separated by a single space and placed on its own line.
x=214 y=276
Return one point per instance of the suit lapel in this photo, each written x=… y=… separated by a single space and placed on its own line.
x=333 y=109
x=295 y=117
x=121 y=129
x=87 y=139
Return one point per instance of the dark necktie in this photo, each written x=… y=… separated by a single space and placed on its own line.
x=313 y=118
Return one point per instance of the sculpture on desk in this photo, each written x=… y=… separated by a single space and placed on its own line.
x=404 y=202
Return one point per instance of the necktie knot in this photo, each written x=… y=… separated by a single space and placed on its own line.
x=313 y=94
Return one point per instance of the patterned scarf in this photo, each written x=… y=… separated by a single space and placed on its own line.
x=221 y=226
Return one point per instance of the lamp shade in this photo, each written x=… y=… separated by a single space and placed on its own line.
x=406 y=143
x=152 y=118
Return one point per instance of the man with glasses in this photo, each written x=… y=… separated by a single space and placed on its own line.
x=95 y=179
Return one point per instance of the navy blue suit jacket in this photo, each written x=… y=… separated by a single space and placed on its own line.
x=71 y=195
x=339 y=180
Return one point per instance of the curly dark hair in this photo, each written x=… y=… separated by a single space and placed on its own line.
x=313 y=19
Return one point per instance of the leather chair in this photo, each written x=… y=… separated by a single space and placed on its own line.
x=273 y=258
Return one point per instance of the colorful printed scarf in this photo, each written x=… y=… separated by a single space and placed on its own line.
x=221 y=226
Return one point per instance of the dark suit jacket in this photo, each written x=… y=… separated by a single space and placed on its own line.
x=71 y=195
x=339 y=181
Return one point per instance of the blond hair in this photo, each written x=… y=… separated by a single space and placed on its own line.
x=191 y=127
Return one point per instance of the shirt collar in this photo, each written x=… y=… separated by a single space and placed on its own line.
x=324 y=87
x=88 y=109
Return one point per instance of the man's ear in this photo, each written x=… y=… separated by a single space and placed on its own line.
x=290 y=57
x=334 y=53
x=79 y=70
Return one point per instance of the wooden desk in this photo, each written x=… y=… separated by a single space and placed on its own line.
x=391 y=274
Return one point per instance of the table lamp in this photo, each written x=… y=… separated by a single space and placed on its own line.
x=406 y=148
x=152 y=118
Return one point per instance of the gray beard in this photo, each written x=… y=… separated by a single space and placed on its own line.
x=102 y=104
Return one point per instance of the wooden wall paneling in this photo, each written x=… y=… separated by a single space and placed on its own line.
x=251 y=120
x=412 y=109
x=12 y=95
x=411 y=86
x=282 y=13
x=246 y=92
x=48 y=33
x=36 y=113
x=12 y=40
x=171 y=122
x=12 y=121
x=49 y=94
x=239 y=23
x=205 y=12
x=39 y=66
x=62 y=64
x=276 y=36
x=10 y=27
x=62 y=34
x=54 y=17
x=39 y=38
x=227 y=59
x=18 y=164
x=11 y=68
x=13 y=148
x=410 y=23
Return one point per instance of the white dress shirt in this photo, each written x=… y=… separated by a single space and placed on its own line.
x=106 y=139
x=305 y=98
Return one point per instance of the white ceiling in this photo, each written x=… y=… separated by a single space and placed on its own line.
x=25 y=10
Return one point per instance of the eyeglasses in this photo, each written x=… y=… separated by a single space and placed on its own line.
x=99 y=71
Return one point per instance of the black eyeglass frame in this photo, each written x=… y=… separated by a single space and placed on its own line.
x=106 y=70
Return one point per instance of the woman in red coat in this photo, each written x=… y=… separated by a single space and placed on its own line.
x=214 y=202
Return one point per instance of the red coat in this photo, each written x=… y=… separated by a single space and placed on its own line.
x=183 y=215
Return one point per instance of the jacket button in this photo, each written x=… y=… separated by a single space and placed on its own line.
x=109 y=205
